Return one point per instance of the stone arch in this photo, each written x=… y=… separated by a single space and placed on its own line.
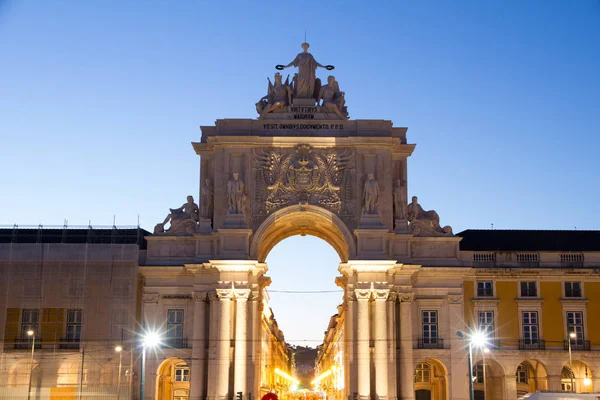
x=489 y=379
x=303 y=220
x=431 y=380
x=173 y=380
x=532 y=376
x=582 y=376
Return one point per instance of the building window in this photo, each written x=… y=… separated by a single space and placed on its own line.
x=182 y=374
x=175 y=328
x=485 y=289
x=573 y=289
x=73 y=325
x=575 y=324
x=522 y=373
x=531 y=328
x=528 y=289
x=430 y=327
x=423 y=373
x=478 y=373
x=30 y=321
x=486 y=322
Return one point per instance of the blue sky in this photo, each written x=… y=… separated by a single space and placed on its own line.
x=101 y=99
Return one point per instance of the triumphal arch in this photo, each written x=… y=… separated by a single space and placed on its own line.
x=303 y=166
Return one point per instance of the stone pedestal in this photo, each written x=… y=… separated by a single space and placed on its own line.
x=235 y=221
x=371 y=243
x=205 y=225
x=400 y=226
x=303 y=102
x=234 y=243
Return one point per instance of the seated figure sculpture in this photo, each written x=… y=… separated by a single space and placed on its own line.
x=425 y=223
x=333 y=99
x=279 y=95
x=184 y=218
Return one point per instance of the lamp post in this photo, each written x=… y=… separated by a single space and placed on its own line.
x=151 y=340
x=479 y=340
x=119 y=349
x=31 y=334
x=572 y=335
x=485 y=351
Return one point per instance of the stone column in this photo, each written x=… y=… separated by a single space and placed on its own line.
x=381 y=355
x=363 y=358
x=198 y=369
x=350 y=374
x=458 y=381
x=255 y=323
x=554 y=383
x=241 y=338
x=407 y=391
x=213 y=347
x=510 y=386
x=391 y=346
x=223 y=361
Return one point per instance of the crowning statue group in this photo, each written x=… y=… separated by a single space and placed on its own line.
x=304 y=85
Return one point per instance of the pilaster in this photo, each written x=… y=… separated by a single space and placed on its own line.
x=241 y=338
x=363 y=357
x=459 y=386
x=381 y=343
x=406 y=347
x=223 y=361
x=198 y=364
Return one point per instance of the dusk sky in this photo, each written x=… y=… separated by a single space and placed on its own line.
x=100 y=100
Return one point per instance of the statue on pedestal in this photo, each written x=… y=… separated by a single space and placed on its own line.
x=235 y=194
x=206 y=201
x=370 y=195
x=333 y=98
x=183 y=219
x=307 y=68
x=425 y=223
x=278 y=96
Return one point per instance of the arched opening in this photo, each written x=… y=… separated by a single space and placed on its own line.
x=303 y=220
x=579 y=380
x=488 y=378
x=531 y=376
x=431 y=380
x=302 y=301
x=173 y=380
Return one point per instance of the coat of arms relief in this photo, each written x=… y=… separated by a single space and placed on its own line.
x=304 y=175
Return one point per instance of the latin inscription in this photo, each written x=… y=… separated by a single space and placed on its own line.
x=306 y=126
x=304 y=112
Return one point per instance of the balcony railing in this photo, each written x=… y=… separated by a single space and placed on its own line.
x=577 y=345
x=175 y=343
x=69 y=344
x=430 y=343
x=532 y=344
x=25 y=344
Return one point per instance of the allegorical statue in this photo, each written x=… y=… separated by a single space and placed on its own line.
x=370 y=195
x=425 y=223
x=206 y=202
x=399 y=202
x=278 y=96
x=333 y=98
x=307 y=68
x=235 y=195
x=186 y=215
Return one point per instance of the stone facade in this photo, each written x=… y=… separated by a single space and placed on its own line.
x=409 y=283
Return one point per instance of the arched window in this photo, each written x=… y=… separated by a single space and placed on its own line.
x=522 y=373
x=423 y=373
x=182 y=372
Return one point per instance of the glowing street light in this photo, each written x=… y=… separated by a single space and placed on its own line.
x=31 y=334
x=150 y=339
x=119 y=349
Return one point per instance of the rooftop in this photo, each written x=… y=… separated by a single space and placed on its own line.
x=529 y=240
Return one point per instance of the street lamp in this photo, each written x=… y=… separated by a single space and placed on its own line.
x=572 y=335
x=31 y=334
x=477 y=339
x=485 y=351
x=119 y=349
x=151 y=340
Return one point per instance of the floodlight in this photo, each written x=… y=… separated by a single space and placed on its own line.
x=118 y=349
x=30 y=333
x=151 y=339
x=572 y=335
x=479 y=339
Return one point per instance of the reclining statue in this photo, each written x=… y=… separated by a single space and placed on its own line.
x=425 y=223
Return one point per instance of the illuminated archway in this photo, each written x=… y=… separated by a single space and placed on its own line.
x=431 y=380
x=531 y=376
x=303 y=220
x=173 y=380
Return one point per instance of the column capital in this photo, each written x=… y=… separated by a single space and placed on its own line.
x=362 y=294
x=381 y=294
x=242 y=294
x=406 y=297
x=392 y=297
x=224 y=294
x=199 y=296
x=455 y=298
